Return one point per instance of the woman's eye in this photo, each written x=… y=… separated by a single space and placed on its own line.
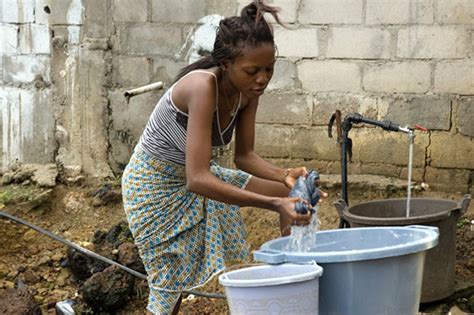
x=251 y=72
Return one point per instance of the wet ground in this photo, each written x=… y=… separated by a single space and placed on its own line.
x=78 y=211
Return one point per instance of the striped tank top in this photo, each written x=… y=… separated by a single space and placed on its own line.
x=164 y=136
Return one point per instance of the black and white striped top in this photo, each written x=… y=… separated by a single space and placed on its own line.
x=164 y=136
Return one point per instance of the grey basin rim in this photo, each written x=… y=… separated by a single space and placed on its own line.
x=430 y=240
x=351 y=217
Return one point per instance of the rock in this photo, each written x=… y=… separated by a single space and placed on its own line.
x=41 y=199
x=82 y=266
x=7 y=178
x=456 y=311
x=45 y=175
x=128 y=256
x=74 y=201
x=30 y=277
x=62 y=277
x=71 y=171
x=108 y=290
x=18 y=302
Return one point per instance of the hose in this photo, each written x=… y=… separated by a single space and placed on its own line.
x=94 y=255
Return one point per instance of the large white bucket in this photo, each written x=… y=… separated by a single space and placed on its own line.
x=273 y=289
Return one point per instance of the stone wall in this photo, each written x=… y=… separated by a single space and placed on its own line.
x=66 y=63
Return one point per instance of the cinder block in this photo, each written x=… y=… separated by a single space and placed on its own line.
x=421 y=42
x=287 y=14
x=284 y=76
x=285 y=109
x=400 y=12
x=330 y=12
x=150 y=39
x=131 y=72
x=166 y=11
x=408 y=77
x=130 y=10
x=363 y=43
x=375 y=145
x=128 y=122
x=466 y=116
x=17 y=11
x=35 y=39
x=314 y=143
x=24 y=69
x=9 y=36
x=451 y=150
x=273 y=140
x=326 y=76
x=61 y=12
x=455 y=77
x=222 y=7
x=325 y=105
x=455 y=12
x=28 y=126
x=453 y=180
x=289 y=42
x=99 y=19
x=431 y=112
x=165 y=69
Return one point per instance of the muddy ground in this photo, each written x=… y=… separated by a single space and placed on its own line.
x=76 y=212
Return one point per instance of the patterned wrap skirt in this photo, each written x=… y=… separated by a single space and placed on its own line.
x=183 y=238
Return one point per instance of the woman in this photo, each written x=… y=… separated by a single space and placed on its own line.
x=183 y=209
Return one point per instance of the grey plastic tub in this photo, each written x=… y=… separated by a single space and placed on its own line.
x=374 y=270
x=439 y=275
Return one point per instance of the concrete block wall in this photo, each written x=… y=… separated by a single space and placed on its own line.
x=27 y=115
x=409 y=61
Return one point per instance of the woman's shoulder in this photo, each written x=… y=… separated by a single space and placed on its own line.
x=197 y=83
x=198 y=79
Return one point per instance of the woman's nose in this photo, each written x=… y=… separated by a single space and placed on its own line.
x=263 y=78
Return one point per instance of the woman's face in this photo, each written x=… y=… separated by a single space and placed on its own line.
x=251 y=72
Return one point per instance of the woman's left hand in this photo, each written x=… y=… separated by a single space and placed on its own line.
x=293 y=174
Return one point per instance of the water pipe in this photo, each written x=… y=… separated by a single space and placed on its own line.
x=143 y=89
x=346 y=146
x=94 y=255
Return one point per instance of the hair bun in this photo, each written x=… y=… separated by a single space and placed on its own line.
x=249 y=13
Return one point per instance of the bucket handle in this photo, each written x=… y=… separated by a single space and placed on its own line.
x=464 y=203
x=269 y=256
x=341 y=206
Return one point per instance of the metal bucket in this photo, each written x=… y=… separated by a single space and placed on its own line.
x=439 y=274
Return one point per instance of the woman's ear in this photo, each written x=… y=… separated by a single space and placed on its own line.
x=224 y=64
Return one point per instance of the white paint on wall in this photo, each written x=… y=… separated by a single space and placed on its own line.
x=75 y=12
x=203 y=38
x=74 y=33
x=17 y=11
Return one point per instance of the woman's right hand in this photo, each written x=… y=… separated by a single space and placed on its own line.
x=288 y=215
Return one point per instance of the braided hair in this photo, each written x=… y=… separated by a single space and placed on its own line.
x=235 y=33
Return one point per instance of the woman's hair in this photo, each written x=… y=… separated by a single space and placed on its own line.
x=235 y=33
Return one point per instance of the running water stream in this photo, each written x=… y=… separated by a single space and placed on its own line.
x=411 y=140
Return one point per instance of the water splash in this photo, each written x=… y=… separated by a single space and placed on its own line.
x=303 y=238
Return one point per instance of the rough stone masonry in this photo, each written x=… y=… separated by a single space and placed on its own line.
x=66 y=63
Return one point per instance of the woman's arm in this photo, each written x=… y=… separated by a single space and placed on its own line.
x=201 y=93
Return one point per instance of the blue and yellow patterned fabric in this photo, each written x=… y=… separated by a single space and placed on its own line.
x=183 y=238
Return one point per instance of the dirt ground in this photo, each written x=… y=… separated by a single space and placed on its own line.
x=75 y=213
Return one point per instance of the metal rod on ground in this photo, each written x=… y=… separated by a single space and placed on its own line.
x=87 y=252
x=147 y=88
